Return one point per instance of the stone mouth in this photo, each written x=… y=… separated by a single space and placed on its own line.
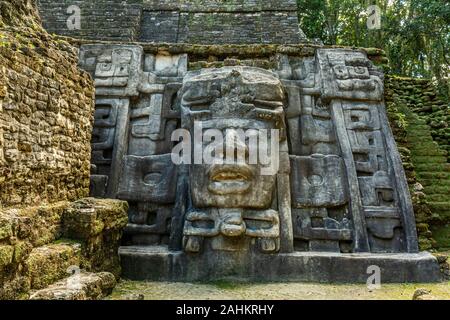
x=230 y=179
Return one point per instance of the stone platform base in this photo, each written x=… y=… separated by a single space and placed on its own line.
x=159 y=264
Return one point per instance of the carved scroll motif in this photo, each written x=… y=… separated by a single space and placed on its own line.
x=355 y=88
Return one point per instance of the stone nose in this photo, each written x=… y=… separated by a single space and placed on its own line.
x=232 y=224
x=235 y=145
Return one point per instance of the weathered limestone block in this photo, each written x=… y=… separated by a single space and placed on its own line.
x=21 y=231
x=82 y=286
x=423 y=295
x=6 y=255
x=35 y=225
x=16 y=288
x=50 y=263
x=98 y=224
x=204 y=21
x=151 y=178
x=33 y=255
x=89 y=217
x=444 y=262
x=46 y=107
x=318 y=181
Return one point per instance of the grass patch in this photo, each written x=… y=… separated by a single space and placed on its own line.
x=226 y=284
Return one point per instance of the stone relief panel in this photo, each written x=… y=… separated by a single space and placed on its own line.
x=323 y=229
x=105 y=138
x=149 y=224
x=318 y=181
x=232 y=230
x=150 y=179
x=349 y=75
x=335 y=110
x=115 y=69
x=354 y=88
x=150 y=130
x=319 y=193
x=340 y=187
x=134 y=142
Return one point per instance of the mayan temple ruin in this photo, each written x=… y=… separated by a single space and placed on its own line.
x=103 y=134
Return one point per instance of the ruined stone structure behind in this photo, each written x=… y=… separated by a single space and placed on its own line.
x=178 y=21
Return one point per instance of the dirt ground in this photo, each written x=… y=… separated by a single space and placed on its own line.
x=277 y=291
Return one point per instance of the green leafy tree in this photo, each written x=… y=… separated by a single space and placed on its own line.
x=415 y=33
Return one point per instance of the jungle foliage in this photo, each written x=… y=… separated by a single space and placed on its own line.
x=414 y=33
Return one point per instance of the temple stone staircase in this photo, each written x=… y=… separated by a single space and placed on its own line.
x=55 y=274
x=433 y=172
x=82 y=286
x=61 y=251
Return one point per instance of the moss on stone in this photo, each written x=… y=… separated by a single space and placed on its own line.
x=413 y=111
x=6 y=255
x=50 y=263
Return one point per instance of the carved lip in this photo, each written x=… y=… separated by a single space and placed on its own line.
x=230 y=179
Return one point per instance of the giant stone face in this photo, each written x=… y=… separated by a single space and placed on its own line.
x=338 y=185
x=238 y=102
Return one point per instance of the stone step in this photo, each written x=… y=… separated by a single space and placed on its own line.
x=433 y=175
x=420 y=127
x=429 y=159
x=81 y=286
x=424 y=144
x=420 y=139
x=432 y=167
x=433 y=189
x=431 y=152
x=441 y=217
x=417 y=122
x=440 y=235
x=425 y=133
x=50 y=263
x=438 y=197
x=439 y=206
x=413 y=121
x=435 y=182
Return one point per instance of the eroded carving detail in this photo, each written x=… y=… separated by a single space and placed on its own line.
x=336 y=189
x=237 y=194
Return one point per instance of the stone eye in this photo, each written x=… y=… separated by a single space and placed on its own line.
x=152 y=178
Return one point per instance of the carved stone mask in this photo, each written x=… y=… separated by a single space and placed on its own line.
x=236 y=102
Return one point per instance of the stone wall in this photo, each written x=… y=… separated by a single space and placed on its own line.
x=421 y=126
x=422 y=97
x=46 y=118
x=183 y=21
x=46 y=113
